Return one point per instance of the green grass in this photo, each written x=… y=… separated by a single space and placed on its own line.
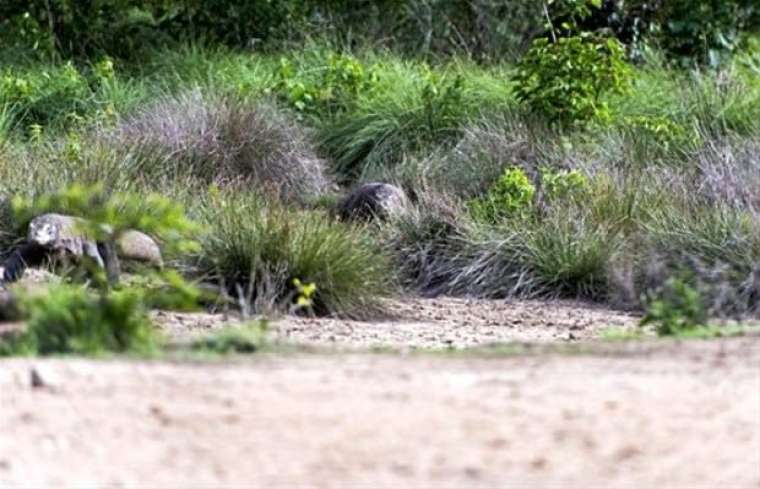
x=616 y=334
x=257 y=248
x=246 y=339
x=411 y=110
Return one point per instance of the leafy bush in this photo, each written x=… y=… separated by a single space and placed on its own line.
x=564 y=184
x=511 y=196
x=257 y=249
x=323 y=90
x=565 y=80
x=106 y=216
x=676 y=308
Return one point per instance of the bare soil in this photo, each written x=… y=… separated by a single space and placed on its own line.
x=571 y=412
x=418 y=323
x=662 y=415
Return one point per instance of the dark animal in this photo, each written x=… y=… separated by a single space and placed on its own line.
x=373 y=200
x=57 y=237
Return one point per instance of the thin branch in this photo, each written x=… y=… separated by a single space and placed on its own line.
x=549 y=20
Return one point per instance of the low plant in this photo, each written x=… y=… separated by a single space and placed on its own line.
x=564 y=184
x=511 y=196
x=676 y=308
x=324 y=90
x=248 y=338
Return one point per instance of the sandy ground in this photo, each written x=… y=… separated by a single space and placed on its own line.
x=429 y=323
x=571 y=412
x=678 y=415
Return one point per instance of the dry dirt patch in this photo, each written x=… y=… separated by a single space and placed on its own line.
x=431 y=323
x=668 y=415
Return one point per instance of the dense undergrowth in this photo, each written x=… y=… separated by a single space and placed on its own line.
x=658 y=177
x=670 y=177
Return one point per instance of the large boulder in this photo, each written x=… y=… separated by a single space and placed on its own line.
x=373 y=200
x=138 y=246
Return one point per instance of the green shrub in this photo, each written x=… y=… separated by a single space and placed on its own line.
x=108 y=215
x=71 y=319
x=326 y=89
x=564 y=184
x=257 y=249
x=704 y=31
x=511 y=196
x=675 y=308
x=565 y=81
x=112 y=317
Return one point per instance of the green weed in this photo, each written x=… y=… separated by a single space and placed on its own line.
x=244 y=339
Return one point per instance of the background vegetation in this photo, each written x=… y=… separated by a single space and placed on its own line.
x=570 y=148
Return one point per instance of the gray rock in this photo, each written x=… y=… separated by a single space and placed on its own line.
x=373 y=200
x=138 y=246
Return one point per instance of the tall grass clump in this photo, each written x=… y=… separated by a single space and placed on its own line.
x=225 y=140
x=717 y=247
x=560 y=255
x=718 y=102
x=467 y=166
x=257 y=248
x=425 y=241
x=410 y=109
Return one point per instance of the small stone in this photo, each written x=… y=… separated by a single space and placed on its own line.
x=36 y=380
